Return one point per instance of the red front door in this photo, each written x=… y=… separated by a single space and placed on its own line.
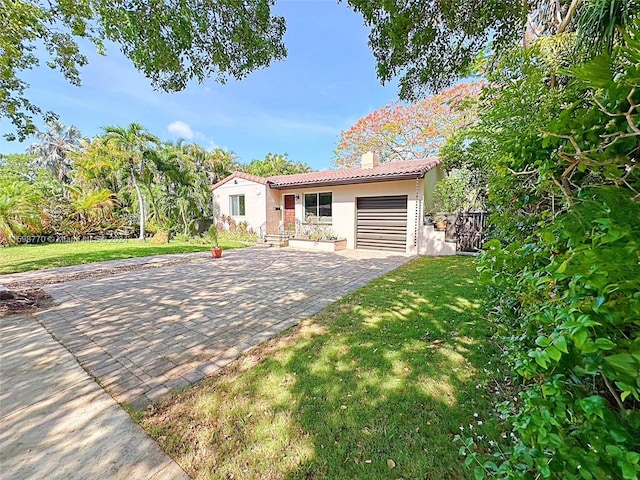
x=290 y=212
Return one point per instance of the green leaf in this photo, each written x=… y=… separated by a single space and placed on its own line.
x=589 y=347
x=540 y=357
x=542 y=341
x=629 y=471
x=493 y=245
x=584 y=473
x=623 y=362
x=632 y=457
x=548 y=236
x=561 y=344
x=478 y=473
x=554 y=353
x=489 y=465
x=580 y=336
x=614 y=450
x=605 y=344
x=619 y=436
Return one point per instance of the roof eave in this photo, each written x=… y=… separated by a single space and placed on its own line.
x=347 y=181
x=258 y=180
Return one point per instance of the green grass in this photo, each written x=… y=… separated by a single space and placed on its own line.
x=376 y=386
x=22 y=258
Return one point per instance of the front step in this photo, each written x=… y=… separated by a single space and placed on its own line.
x=277 y=240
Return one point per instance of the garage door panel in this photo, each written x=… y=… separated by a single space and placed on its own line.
x=382 y=223
x=391 y=236
x=379 y=211
x=375 y=203
x=398 y=225
x=382 y=232
x=401 y=217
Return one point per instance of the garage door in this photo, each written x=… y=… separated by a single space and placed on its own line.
x=382 y=223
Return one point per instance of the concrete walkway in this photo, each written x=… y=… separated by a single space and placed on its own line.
x=142 y=334
x=56 y=422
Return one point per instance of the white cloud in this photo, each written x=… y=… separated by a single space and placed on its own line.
x=181 y=129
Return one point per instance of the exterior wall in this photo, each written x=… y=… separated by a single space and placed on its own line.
x=430 y=179
x=321 y=246
x=431 y=242
x=344 y=206
x=255 y=198
x=273 y=216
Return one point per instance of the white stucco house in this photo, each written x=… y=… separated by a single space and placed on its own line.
x=376 y=206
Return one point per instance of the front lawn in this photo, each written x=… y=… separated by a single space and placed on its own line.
x=376 y=386
x=22 y=258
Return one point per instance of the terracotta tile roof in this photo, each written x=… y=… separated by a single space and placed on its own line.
x=245 y=176
x=343 y=176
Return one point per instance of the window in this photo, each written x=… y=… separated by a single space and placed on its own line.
x=317 y=207
x=237 y=205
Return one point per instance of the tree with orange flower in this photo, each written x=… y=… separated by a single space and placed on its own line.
x=405 y=132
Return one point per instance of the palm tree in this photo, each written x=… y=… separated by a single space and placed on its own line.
x=53 y=148
x=215 y=165
x=92 y=205
x=95 y=165
x=130 y=145
x=19 y=211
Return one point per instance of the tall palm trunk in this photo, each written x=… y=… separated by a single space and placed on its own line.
x=140 y=205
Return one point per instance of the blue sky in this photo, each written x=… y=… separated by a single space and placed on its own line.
x=298 y=106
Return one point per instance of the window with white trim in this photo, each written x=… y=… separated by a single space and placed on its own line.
x=317 y=207
x=237 y=205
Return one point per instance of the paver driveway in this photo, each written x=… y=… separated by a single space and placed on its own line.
x=142 y=334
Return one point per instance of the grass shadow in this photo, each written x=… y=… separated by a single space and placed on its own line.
x=375 y=386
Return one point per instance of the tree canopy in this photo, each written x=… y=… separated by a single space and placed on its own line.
x=406 y=132
x=432 y=43
x=171 y=42
x=429 y=44
x=275 y=164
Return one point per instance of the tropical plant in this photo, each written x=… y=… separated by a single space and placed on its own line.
x=275 y=164
x=451 y=194
x=20 y=211
x=53 y=149
x=92 y=206
x=213 y=235
x=564 y=273
x=130 y=146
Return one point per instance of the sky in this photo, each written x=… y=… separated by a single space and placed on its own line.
x=297 y=106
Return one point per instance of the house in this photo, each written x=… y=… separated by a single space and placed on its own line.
x=377 y=206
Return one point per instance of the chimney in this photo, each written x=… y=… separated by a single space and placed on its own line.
x=370 y=160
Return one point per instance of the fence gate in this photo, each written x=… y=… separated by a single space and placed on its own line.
x=470 y=231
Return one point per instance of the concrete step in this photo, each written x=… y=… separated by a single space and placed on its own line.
x=277 y=240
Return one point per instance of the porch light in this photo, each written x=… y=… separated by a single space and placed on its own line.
x=297 y=196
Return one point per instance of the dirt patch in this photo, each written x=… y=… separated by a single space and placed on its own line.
x=18 y=301
x=99 y=272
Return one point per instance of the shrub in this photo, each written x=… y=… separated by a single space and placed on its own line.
x=161 y=237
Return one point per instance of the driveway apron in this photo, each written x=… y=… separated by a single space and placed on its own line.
x=143 y=334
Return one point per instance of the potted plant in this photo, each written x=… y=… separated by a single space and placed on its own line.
x=216 y=251
x=441 y=221
x=449 y=197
